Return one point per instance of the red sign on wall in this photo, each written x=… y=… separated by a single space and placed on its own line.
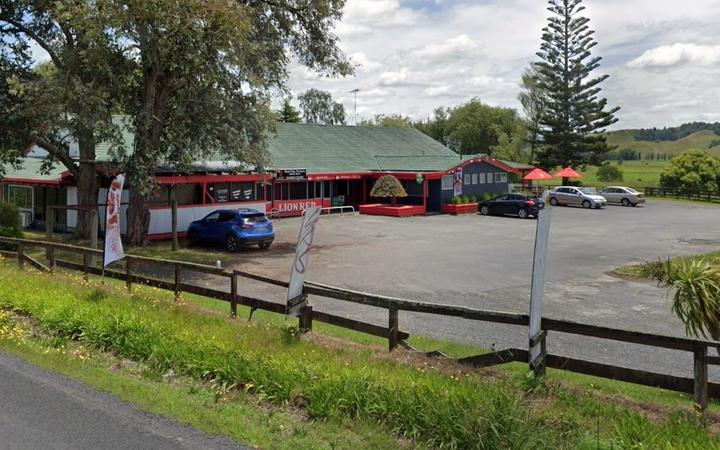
x=296 y=207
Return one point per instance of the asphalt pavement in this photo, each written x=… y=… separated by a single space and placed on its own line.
x=41 y=410
x=485 y=262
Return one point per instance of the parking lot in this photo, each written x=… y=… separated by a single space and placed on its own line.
x=485 y=262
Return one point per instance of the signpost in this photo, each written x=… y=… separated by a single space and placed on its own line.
x=295 y=298
x=537 y=337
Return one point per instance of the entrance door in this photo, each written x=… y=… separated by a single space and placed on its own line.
x=434 y=200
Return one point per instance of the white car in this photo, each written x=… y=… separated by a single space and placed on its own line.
x=577 y=196
x=623 y=195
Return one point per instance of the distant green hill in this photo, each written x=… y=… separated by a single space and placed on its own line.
x=627 y=139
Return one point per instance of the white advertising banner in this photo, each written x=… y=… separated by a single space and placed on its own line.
x=113 y=250
x=458 y=182
x=542 y=234
x=295 y=299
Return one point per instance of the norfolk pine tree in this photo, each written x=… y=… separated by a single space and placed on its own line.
x=574 y=114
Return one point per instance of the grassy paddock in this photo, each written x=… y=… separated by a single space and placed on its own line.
x=421 y=401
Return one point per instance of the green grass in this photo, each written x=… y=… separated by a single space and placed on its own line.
x=341 y=385
x=644 y=270
x=636 y=174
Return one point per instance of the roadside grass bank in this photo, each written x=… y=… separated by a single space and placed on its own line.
x=422 y=402
x=648 y=269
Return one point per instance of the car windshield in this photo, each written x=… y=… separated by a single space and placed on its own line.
x=589 y=191
x=255 y=218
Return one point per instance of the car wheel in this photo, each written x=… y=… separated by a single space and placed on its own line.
x=232 y=243
x=484 y=210
x=586 y=204
x=634 y=204
x=625 y=202
x=193 y=238
x=554 y=201
x=264 y=244
x=522 y=213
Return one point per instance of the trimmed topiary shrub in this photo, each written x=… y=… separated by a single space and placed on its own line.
x=388 y=186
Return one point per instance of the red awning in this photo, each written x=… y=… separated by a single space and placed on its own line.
x=538 y=174
x=568 y=172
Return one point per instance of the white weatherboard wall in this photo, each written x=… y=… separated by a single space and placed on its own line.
x=160 y=218
x=71 y=199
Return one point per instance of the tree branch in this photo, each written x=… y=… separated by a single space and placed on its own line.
x=20 y=28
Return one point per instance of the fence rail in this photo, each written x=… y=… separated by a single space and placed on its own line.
x=691 y=194
x=699 y=385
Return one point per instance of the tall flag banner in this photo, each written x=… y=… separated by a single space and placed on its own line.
x=113 y=250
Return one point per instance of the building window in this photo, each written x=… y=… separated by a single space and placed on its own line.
x=21 y=196
x=298 y=191
x=447 y=183
x=474 y=179
x=481 y=178
x=466 y=178
x=241 y=192
x=219 y=192
x=500 y=177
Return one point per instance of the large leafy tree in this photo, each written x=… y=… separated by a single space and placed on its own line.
x=575 y=114
x=203 y=74
x=388 y=121
x=72 y=94
x=694 y=170
x=475 y=128
x=533 y=100
x=319 y=107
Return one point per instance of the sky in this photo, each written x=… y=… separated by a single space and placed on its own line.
x=663 y=56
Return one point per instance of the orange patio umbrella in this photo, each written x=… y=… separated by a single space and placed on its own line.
x=538 y=174
x=567 y=172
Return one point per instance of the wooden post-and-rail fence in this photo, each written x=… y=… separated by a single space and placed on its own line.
x=699 y=385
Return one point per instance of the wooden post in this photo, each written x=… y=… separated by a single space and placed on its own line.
x=173 y=218
x=305 y=318
x=393 y=319
x=233 y=295
x=86 y=262
x=538 y=364
x=21 y=256
x=177 y=283
x=93 y=236
x=49 y=221
x=700 y=390
x=128 y=274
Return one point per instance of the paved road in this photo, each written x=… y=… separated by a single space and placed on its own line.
x=40 y=410
x=485 y=262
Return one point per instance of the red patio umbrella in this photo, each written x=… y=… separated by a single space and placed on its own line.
x=567 y=172
x=538 y=174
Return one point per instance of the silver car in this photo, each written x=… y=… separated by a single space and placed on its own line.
x=577 y=196
x=622 y=195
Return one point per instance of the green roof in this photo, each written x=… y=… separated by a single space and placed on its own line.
x=127 y=139
x=333 y=148
x=29 y=169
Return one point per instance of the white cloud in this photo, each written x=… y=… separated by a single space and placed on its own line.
x=418 y=55
x=678 y=54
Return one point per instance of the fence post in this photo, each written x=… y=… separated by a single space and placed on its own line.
x=93 y=236
x=177 y=283
x=86 y=261
x=538 y=364
x=21 y=256
x=306 y=314
x=173 y=218
x=393 y=319
x=49 y=220
x=233 y=294
x=700 y=388
x=128 y=273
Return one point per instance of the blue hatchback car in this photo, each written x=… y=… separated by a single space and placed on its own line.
x=233 y=228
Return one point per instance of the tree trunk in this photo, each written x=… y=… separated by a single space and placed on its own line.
x=138 y=219
x=87 y=184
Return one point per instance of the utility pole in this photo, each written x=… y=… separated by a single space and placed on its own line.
x=355 y=92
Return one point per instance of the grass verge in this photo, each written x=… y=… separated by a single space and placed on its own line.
x=421 y=402
x=648 y=268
